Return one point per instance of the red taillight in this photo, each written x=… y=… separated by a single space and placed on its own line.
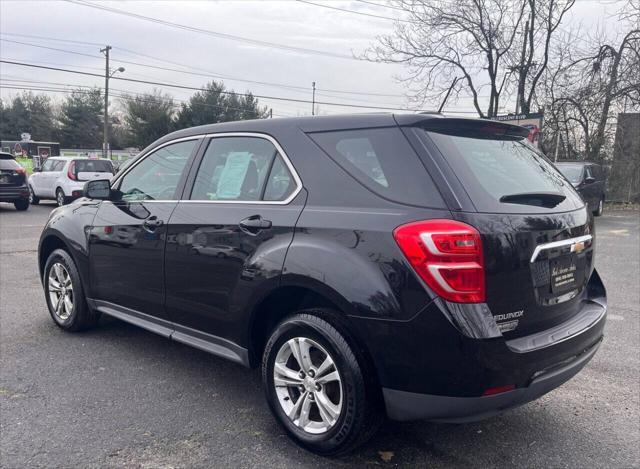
x=447 y=255
x=71 y=172
x=499 y=390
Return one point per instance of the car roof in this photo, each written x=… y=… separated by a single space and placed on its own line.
x=319 y=124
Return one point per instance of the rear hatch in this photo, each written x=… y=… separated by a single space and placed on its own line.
x=88 y=170
x=537 y=235
x=11 y=173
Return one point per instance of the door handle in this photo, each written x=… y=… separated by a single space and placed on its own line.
x=152 y=222
x=254 y=224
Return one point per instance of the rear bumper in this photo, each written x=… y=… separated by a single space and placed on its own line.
x=403 y=405
x=13 y=193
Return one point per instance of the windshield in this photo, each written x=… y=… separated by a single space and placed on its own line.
x=573 y=172
x=493 y=170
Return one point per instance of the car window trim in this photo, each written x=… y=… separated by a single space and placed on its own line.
x=196 y=165
x=181 y=183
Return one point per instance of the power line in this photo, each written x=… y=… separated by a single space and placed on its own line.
x=185 y=87
x=208 y=74
x=217 y=34
x=346 y=10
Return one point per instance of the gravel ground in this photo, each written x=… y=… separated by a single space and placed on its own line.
x=118 y=396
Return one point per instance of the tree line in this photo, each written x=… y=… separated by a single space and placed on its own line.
x=134 y=120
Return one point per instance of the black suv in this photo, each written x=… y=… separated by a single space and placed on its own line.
x=433 y=268
x=589 y=180
x=13 y=182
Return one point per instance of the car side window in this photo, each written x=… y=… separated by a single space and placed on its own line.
x=156 y=177
x=280 y=184
x=587 y=172
x=47 y=165
x=236 y=168
x=58 y=165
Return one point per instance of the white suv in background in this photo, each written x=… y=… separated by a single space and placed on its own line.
x=63 y=179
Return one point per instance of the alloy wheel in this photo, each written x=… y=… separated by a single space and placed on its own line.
x=308 y=385
x=60 y=291
x=60 y=198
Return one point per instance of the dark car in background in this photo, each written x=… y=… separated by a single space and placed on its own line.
x=13 y=182
x=427 y=267
x=589 y=179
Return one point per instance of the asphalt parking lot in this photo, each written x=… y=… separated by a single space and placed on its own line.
x=122 y=397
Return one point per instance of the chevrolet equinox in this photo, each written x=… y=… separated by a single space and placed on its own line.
x=417 y=266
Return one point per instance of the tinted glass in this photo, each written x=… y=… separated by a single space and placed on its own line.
x=383 y=161
x=234 y=168
x=48 y=165
x=93 y=166
x=7 y=164
x=573 y=172
x=157 y=176
x=280 y=184
x=58 y=165
x=492 y=168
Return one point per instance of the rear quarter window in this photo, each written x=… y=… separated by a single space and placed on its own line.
x=382 y=160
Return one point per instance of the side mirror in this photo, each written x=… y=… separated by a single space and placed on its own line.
x=97 y=189
x=589 y=180
x=35 y=170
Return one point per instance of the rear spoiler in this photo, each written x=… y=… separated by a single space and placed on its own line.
x=478 y=128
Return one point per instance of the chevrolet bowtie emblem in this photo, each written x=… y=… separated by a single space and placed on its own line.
x=578 y=247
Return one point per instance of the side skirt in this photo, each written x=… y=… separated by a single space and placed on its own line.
x=200 y=340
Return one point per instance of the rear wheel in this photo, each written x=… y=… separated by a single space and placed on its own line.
x=600 y=208
x=21 y=204
x=60 y=197
x=316 y=387
x=64 y=293
x=33 y=200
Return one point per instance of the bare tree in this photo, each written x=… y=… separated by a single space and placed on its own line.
x=544 y=18
x=468 y=46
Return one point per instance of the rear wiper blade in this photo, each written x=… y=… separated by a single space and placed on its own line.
x=539 y=199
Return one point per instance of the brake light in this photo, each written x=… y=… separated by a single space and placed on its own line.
x=447 y=255
x=71 y=172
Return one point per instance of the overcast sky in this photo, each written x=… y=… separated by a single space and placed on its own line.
x=289 y=73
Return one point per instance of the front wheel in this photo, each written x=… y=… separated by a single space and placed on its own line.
x=64 y=293
x=316 y=387
x=60 y=198
x=33 y=199
x=600 y=208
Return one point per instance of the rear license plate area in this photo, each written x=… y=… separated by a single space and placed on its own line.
x=564 y=274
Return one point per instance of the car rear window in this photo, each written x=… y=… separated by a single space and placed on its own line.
x=7 y=164
x=491 y=168
x=573 y=172
x=94 y=166
x=382 y=160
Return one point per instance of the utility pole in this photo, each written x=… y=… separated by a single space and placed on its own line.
x=107 y=74
x=105 y=142
x=313 y=98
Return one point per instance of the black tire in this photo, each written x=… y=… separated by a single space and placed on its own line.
x=33 y=200
x=600 y=209
x=81 y=316
x=361 y=413
x=61 y=199
x=21 y=205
